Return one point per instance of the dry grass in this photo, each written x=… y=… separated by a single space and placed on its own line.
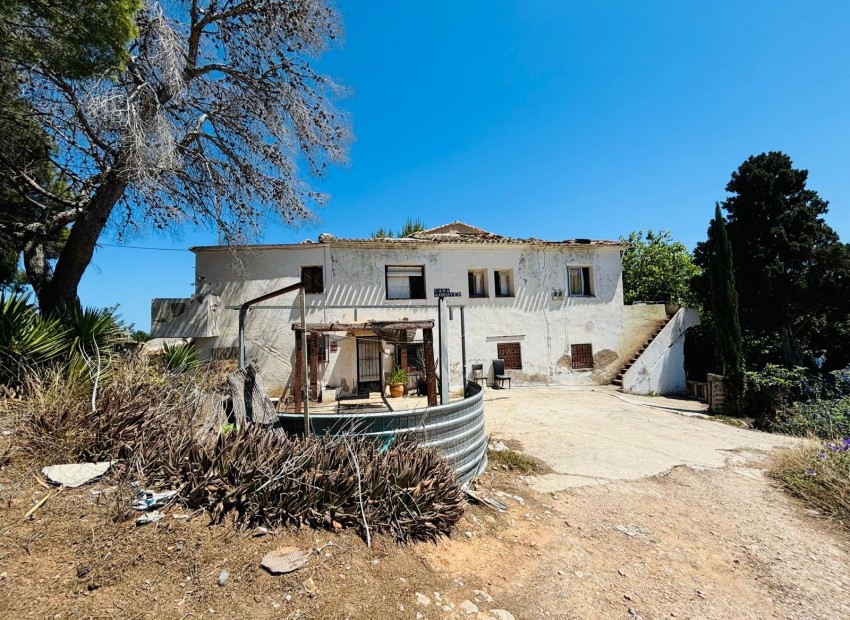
x=511 y=460
x=165 y=431
x=818 y=475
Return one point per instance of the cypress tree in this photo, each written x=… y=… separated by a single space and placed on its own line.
x=724 y=307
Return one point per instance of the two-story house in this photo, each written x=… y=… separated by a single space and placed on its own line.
x=552 y=310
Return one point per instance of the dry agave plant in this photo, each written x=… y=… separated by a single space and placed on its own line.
x=171 y=433
x=259 y=477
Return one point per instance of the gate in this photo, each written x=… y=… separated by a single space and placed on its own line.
x=368 y=363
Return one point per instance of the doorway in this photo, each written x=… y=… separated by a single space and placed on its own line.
x=368 y=365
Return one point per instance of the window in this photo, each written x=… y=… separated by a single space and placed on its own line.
x=511 y=354
x=477 y=282
x=313 y=279
x=405 y=282
x=582 y=356
x=579 y=282
x=504 y=282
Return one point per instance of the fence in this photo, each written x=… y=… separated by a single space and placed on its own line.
x=455 y=429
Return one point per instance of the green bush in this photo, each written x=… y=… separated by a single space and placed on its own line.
x=829 y=419
x=180 y=358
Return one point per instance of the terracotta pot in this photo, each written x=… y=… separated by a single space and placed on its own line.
x=396 y=390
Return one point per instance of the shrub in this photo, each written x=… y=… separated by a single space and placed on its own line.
x=180 y=358
x=819 y=474
x=821 y=418
x=27 y=341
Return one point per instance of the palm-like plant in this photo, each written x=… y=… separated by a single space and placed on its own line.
x=27 y=340
x=180 y=358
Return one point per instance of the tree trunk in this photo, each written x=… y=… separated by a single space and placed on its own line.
x=38 y=269
x=790 y=349
x=61 y=292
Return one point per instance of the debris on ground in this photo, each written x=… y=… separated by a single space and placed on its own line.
x=74 y=475
x=285 y=560
x=222 y=577
x=491 y=503
x=497 y=446
x=145 y=499
x=633 y=530
x=150 y=517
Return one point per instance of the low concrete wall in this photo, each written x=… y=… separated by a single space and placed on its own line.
x=661 y=368
x=455 y=429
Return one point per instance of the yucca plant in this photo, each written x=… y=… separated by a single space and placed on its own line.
x=27 y=340
x=92 y=336
x=180 y=358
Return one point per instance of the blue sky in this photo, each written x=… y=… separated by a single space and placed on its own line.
x=554 y=119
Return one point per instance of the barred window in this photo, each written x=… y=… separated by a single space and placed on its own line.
x=582 y=356
x=511 y=353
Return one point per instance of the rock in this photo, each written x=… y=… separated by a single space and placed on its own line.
x=222 y=577
x=627 y=597
x=260 y=531
x=502 y=614
x=634 y=614
x=437 y=597
x=400 y=607
x=468 y=534
x=285 y=560
x=423 y=600
x=468 y=607
x=482 y=594
x=633 y=530
x=75 y=474
x=498 y=446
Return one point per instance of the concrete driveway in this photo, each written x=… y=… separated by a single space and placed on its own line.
x=598 y=435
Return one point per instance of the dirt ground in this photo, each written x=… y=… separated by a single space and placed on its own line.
x=689 y=543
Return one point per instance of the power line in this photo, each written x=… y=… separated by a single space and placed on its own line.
x=142 y=247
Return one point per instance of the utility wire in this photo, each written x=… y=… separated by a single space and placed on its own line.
x=142 y=247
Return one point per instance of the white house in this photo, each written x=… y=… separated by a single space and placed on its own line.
x=552 y=310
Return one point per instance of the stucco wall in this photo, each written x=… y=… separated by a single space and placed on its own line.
x=354 y=280
x=661 y=368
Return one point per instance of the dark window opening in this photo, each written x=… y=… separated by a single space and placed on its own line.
x=511 y=354
x=405 y=282
x=477 y=279
x=579 y=282
x=582 y=356
x=313 y=279
x=503 y=282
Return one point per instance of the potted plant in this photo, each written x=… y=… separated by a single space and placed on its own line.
x=397 y=380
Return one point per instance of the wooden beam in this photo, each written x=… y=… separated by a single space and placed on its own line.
x=430 y=370
x=298 y=372
x=403 y=355
x=345 y=327
x=314 y=368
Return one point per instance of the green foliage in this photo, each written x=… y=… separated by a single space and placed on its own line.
x=790 y=268
x=724 y=309
x=657 y=268
x=798 y=402
x=75 y=38
x=411 y=226
x=829 y=419
x=81 y=342
x=27 y=340
x=398 y=375
x=180 y=358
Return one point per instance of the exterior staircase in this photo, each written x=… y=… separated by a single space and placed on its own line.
x=618 y=378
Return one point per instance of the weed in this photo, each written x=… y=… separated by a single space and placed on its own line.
x=515 y=461
x=819 y=474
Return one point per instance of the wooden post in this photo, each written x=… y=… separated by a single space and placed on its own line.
x=299 y=360
x=430 y=370
x=403 y=355
x=314 y=366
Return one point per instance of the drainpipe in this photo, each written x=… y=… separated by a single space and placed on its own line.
x=463 y=346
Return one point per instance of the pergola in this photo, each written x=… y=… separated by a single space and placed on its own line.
x=377 y=328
